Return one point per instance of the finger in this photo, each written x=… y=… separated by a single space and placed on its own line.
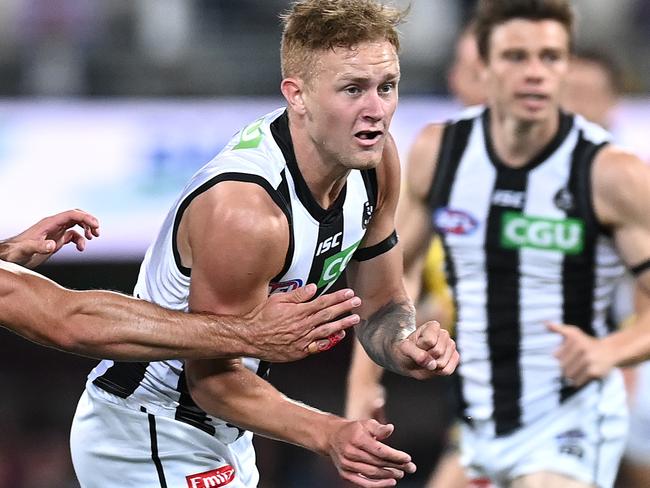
x=74 y=217
x=325 y=344
x=333 y=311
x=74 y=237
x=327 y=330
x=421 y=358
x=561 y=329
x=451 y=366
x=328 y=300
x=300 y=295
x=443 y=351
x=380 y=431
x=428 y=335
x=40 y=247
x=370 y=471
x=90 y=232
x=363 y=456
x=359 y=480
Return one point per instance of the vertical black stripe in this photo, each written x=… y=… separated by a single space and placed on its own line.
x=453 y=143
x=503 y=309
x=372 y=188
x=579 y=270
x=188 y=411
x=154 y=448
x=122 y=379
x=452 y=146
x=283 y=192
x=329 y=243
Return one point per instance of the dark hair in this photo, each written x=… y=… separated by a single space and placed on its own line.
x=491 y=13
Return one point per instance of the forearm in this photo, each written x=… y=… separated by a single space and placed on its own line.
x=379 y=334
x=362 y=369
x=365 y=394
x=105 y=324
x=235 y=394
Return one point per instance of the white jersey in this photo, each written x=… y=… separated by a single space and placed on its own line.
x=523 y=248
x=321 y=245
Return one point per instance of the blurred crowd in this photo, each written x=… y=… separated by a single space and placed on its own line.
x=229 y=47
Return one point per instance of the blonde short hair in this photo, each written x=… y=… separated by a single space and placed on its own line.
x=318 y=25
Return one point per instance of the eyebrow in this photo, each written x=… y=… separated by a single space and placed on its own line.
x=364 y=79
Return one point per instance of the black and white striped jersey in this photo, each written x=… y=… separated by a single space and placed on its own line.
x=322 y=241
x=523 y=248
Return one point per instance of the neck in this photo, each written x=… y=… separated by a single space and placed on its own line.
x=324 y=177
x=517 y=141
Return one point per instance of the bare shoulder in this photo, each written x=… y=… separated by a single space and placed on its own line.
x=621 y=184
x=242 y=221
x=422 y=159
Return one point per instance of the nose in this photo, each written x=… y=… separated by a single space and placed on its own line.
x=375 y=106
x=535 y=70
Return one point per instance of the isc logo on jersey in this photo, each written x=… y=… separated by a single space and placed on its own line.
x=334 y=266
x=210 y=479
x=451 y=221
x=329 y=243
x=519 y=230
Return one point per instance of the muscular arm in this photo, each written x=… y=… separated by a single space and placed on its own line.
x=622 y=201
x=105 y=324
x=621 y=193
x=227 y=389
x=387 y=329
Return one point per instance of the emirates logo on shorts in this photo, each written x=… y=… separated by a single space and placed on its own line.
x=210 y=479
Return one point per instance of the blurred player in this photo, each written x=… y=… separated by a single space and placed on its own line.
x=107 y=324
x=528 y=200
x=299 y=195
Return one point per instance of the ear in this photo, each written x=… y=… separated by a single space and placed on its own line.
x=293 y=90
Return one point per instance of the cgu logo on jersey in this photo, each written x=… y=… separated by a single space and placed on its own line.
x=251 y=136
x=329 y=243
x=334 y=266
x=565 y=236
x=284 y=286
x=209 y=479
x=450 y=221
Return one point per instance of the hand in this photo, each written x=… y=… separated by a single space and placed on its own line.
x=428 y=351
x=582 y=357
x=289 y=327
x=36 y=244
x=361 y=458
x=367 y=402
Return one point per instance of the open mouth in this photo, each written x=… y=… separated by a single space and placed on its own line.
x=368 y=135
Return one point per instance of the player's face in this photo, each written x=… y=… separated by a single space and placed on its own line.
x=350 y=102
x=527 y=64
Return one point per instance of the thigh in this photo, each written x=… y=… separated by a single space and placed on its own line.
x=546 y=479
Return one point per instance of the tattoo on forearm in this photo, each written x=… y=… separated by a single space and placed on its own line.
x=391 y=323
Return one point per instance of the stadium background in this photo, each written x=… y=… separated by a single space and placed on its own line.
x=111 y=106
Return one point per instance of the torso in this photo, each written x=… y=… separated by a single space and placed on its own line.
x=523 y=248
x=321 y=243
